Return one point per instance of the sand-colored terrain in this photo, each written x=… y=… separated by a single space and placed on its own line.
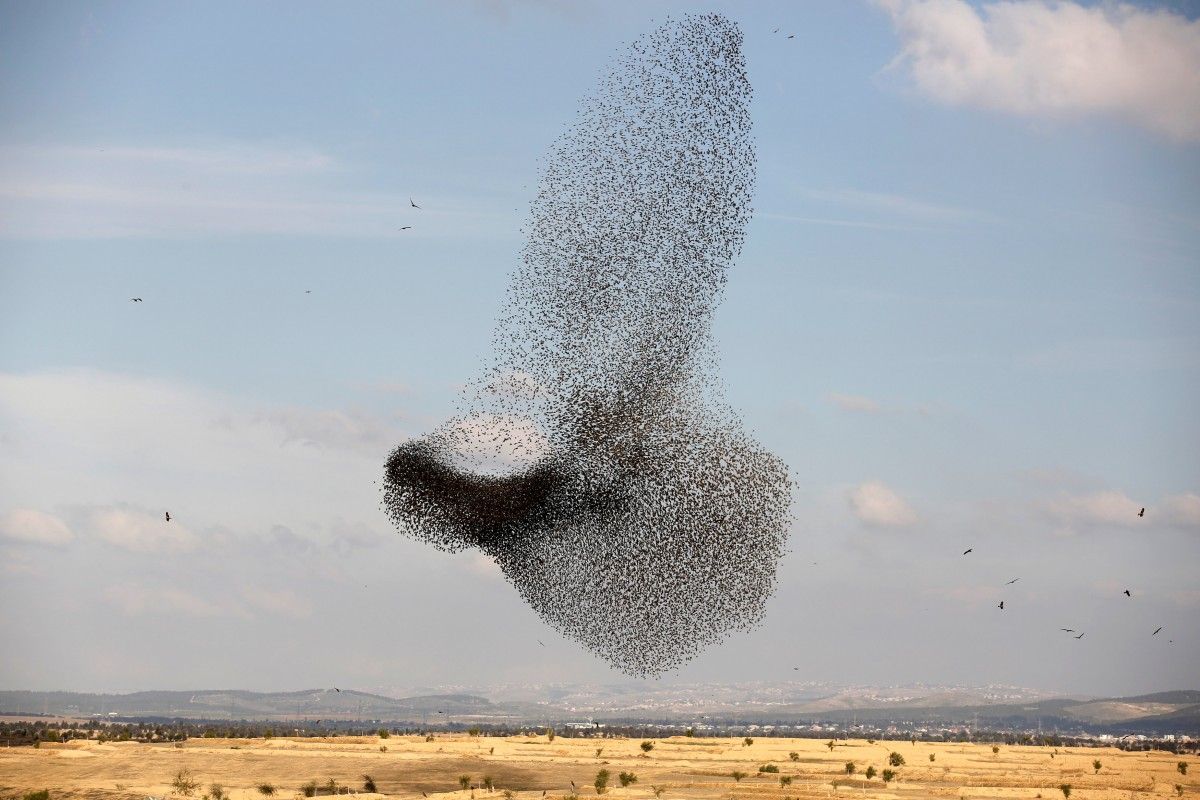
x=681 y=767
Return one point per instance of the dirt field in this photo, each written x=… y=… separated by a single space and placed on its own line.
x=682 y=768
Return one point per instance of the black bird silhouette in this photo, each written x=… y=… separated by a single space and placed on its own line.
x=1001 y=605
x=168 y=515
x=1142 y=513
x=1068 y=630
x=411 y=203
x=1127 y=594
x=775 y=31
x=406 y=227
x=336 y=689
x=1080 y=636
x=135 y=299
x=969 y=549
x=1014 y=580
x=793 y=36
x=1156 y=630
x=308 y=291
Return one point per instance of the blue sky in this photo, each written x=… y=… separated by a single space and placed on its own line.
x=967 y=314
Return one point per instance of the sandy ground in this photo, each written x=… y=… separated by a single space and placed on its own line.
x=683 y=768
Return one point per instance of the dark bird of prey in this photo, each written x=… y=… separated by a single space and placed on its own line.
x=1068 y=630
x=336 y=689
x=406 y=227
x=1001 y=605
x=411 y=203
x=775 y=31
x=1080 y=636
x=969 y=549
x=135 y=299
x=1127 y=594
x=1156 y=630
x=1014 y=580
x=167 y=514
x=1142 y=513
x=793 y=36
x=308 y=291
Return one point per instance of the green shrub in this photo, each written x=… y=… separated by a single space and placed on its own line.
x=487 y=782
x=888 y=775
x=690 y=732
x=647 y=746
x=768 y=768
x=44 y=794
x=464 y=781
x=1065 y=788
x=932 y=757
x=896 y=760
x=794 y=756
x=850 y=767
x=737 y=775
x=1182 y=767
x=368 y=784
x=309 y=789
x=266 y=789
x=785 y=780
x=1096 y=765
x=870 y=773
x=184 y=783
x=216 y=791
x=384 y=733
x=601 y=782
x=747 y=742
x=627 y=778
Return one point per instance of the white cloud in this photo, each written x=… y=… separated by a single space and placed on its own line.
x=851 y=402
x=282 y=602
x=139 y=600
x=1050 y=58
x=876 y=504
x=140 y=531
x=29 y=526
x=1183 y=510
x=1107 y=508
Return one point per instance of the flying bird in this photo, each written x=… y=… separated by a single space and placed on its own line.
x=539 y=641
x=775 y=31
x=1001 y=605
x=968 y=550
x=406 y=227
x=135 y=299
x=411 y=203
x=168 y=515
x=1014 y=580
x=336 y=689
x=1080 y=636
x=1127 y=594
x=1142 y=513
x=1156 y=630
x=1068 y=630
x=793 y=36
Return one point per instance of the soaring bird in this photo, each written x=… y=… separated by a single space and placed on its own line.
x=406 y=227
x=793 y=36
x=969 y=549
x=1068 y=630
x=1014 y=580
x=1080 y=636
x=1127 y=594
x=1142 y=513
x=775 y=31
x=539 y=641
x=1001 y=605
x=411 y=203
x=336 y=689
x=135 y=299
x=168 y=515
x=1156 y=630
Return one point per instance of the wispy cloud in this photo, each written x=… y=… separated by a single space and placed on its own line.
x=30 y=526
x=156 y=191
x=896 y=205
x=1040 y=59
x=854 y=403
x=877 y=504
x=140 y=530
x=135 y=600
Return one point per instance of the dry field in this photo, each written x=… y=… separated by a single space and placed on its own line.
x=682 y=768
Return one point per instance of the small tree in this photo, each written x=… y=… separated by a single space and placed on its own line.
x=768 y=768
x=747 y=742
x=44 y=794
x=850 y=768
x=266 y=789
x=1182 y=767
x=794 y=756
x=601 y=782
x=309 y=789
x=429 y=737
x=888 y=775
x=1096 y=765
x=627 y=778
x=647 y=746
x=932 y=757
x=737 y=775
x=896 y=760
x=830 y=744
x=368 y=784
x=995 y=749
x=464 y=781
x=488 y=783
x=690 y=732
x=550 y=734
x=473 y=731
x=785 y=780
x=184 y=783
x=870 y=773
x=383 y=733
x=216 y=791
x=1065 y=788
x=383 y=748
x=1179 y=789
x=599 y=750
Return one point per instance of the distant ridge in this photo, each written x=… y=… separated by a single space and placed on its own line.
x=1176 y=711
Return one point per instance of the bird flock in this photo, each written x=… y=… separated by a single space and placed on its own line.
x=595 y=460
